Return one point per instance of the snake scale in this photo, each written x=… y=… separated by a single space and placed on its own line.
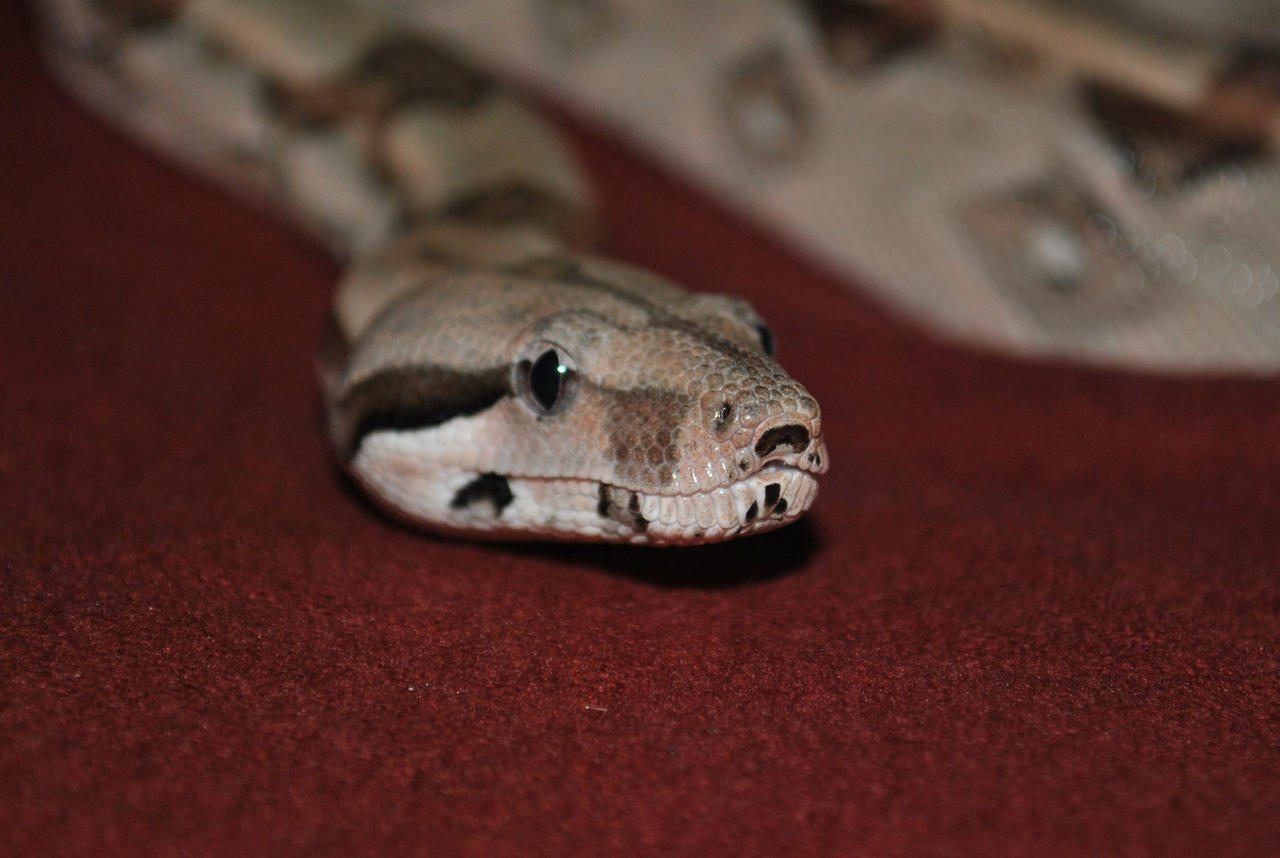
x=484 y=375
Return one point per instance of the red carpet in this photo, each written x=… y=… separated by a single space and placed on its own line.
x=1036 y=610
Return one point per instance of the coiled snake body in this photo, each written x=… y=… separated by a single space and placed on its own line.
x=482 y=375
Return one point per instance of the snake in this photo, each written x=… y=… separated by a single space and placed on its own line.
x=486 y=373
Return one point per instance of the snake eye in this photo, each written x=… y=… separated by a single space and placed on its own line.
x=766 y=338
x=545 y=378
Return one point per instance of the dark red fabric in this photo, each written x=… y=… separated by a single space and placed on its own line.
x=1035 y=611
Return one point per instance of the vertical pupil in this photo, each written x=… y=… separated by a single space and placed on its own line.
x=544 y=379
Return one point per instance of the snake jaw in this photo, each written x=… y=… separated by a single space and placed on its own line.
x=479 y=504
x=774 y=494
x=764 y=501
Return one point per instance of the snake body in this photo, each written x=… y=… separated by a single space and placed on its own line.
x=483 y=374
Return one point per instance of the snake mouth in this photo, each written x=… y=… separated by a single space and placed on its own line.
x=776 y=495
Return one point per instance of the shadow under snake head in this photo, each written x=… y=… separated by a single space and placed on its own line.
x=570 y=398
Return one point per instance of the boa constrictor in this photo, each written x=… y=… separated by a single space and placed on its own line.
x=483 y=376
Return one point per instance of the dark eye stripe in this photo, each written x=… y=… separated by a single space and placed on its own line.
x=408 y=398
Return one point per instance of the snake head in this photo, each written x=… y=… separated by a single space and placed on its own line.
x=571 y=398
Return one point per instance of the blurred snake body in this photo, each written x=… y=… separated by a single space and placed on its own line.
x=483 y=375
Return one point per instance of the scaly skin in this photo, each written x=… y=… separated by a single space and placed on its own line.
x=483 y=376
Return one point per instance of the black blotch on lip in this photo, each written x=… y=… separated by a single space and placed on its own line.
x=781 y=507
x=633 y=507
x=772 y=492
x=606 y=507
x=753 y=511
x=491 y=488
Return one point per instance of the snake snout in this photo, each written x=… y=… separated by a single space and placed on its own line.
x=790 y=439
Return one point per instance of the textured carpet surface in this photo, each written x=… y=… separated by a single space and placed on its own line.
x=1036 y=610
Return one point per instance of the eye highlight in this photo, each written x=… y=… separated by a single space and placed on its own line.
x=544 y=378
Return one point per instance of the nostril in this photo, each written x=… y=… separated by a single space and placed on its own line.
x=791 y=438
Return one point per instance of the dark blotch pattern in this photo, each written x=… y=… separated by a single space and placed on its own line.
x=610 y=506
x=753 y=511
x=486 y=488
x=519 y=202
x=408 y=68
x=637 y=520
